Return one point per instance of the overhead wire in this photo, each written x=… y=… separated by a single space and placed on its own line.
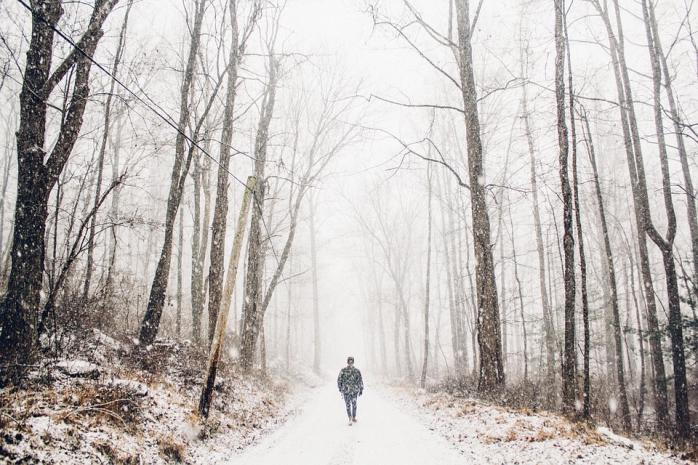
x=162 y=114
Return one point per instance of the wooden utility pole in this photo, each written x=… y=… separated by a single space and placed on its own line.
x=222 y=321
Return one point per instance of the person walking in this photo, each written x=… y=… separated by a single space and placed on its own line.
x=350 y=385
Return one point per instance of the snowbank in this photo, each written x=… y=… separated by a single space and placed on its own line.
x=86 y=412
x=488 y=434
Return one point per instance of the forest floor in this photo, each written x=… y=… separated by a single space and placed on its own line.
x=100 y=407
x=487 y=434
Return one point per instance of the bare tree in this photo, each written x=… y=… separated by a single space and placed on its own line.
x=608 y=254
x=489 y=335
x=666 y=243
x=39 y=168
x=569 y=354
x=329 y=134
x=199 y=242
x=580 y=241
x=548 y=326
x=427 y=286
x=180 y=169
x=631 y=140
x=103 y=147
x=220 y=211
x=317 y=336
x=255 y=250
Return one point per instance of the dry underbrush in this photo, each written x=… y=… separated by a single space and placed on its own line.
x=133 y=415
x=172 y=449
x=506 y=424
x=98 y=404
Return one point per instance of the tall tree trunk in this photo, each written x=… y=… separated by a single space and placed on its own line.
x=489 y=336
x=254 y=312
x=631 y=141
x=406 y=334
x=317 y=346
x=666 y=244
x=381 y=324
x=608 y=253
x=196 y=270
x=586 y=405
x=289 y=297
x=102 y=149
x=114 y=208
x=520 y=295
x=222 y=321
x=180 y=168
x=502 y=259
x=548 y=332
x=199 y=244
x=35 y=178
x=569 y=354
x=180 y=253
x=468 y=315
x=3 y=192
x=396 y=339
x=220 y=211
x=458 y=284
x=435 y=366
x=681 y=148
x=423 y=380
x=456 y=335
x=641 y=341
x=580 y=235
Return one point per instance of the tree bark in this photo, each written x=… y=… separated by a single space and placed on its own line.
x=666 y=244
x=608 y=253
x=180 y=168
x=423 y=380
x=222 y=321
x=220 y=211
x=114 y=208
x=641 y=341
x=681 y=147
x=569 y=354
x=631 y=141
x=548 y=332
x=3 y=198
x=491 y=377
x=317 y=341
x=180 y=253
x=199 y=243
x=102 y=149
x=521 y=303
x=449 y=256
x=35 y=178
x=254 y=313
x=586 y=404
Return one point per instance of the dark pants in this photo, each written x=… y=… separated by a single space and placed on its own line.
x=350 y=401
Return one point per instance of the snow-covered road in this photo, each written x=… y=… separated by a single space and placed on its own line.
x=320 y=435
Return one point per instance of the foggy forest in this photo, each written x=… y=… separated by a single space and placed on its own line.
x=480 y=212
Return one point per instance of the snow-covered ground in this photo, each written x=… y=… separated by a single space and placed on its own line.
x=319 y=434
x=86 y=418
x=488 y=434
x=404 y=427
x=103 y=410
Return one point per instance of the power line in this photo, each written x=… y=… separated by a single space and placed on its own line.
x=161 y=113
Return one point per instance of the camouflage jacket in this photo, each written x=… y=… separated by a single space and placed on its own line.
x=349 y=381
